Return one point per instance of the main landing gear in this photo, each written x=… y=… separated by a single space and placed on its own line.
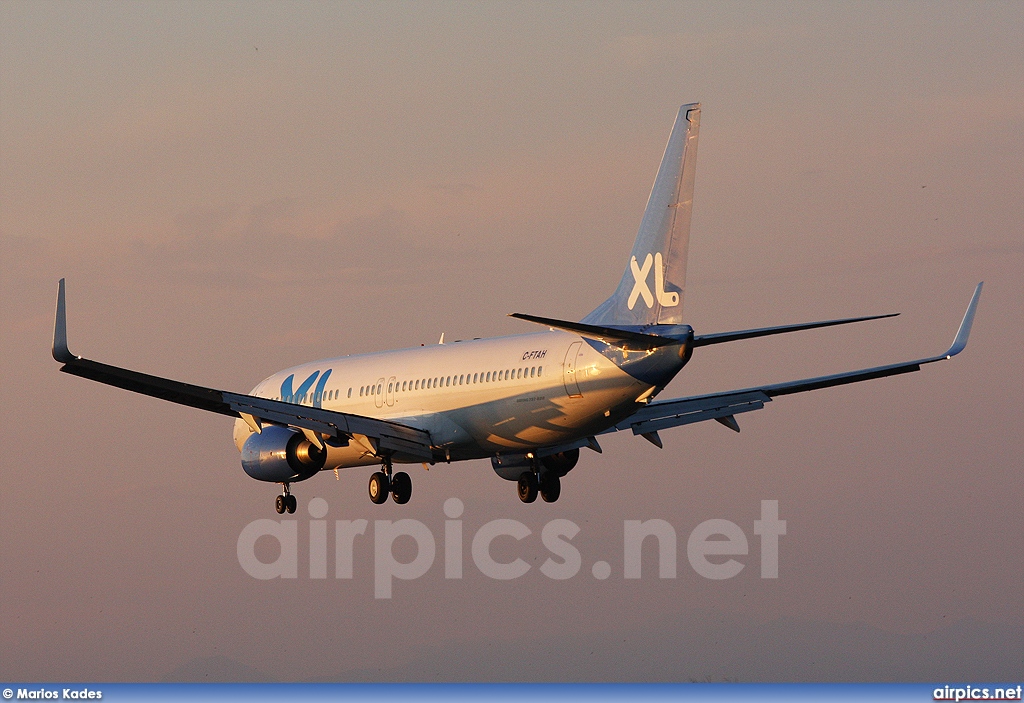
x=549 y=485
x=285 y=502
x=383 y=483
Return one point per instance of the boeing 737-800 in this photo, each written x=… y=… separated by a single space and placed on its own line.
x=528 y=403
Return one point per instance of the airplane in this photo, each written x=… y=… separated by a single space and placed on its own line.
x=529 y=403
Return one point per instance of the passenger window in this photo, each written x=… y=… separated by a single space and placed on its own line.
x=539 y=369
x=474 y=378
x=460 y=380
x=349 y=392
x=519 y=373
x=533 y=371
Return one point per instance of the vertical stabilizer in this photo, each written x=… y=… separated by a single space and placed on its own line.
x=651 y=289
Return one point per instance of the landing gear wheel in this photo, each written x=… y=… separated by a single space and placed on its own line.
x=379 y=487
x=401 y=487
x=279 y=504
x=527 y=486
x=550 y=487
x=290 y=503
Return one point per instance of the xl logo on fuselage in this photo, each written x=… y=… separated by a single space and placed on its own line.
x=298 y=395
x=667 y=299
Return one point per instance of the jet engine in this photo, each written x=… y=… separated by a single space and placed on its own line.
x=511 y=466
x=561 y=463
x=280 y=455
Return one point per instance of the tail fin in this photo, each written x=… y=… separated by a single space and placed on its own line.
x=651 y=289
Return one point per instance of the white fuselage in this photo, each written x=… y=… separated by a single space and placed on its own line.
x=477 y=398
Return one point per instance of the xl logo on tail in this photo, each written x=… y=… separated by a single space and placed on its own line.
x=667 y=299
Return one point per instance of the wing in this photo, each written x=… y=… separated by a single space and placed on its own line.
x=385 y=435
x=724 y=407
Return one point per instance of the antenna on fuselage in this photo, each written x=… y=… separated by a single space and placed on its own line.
x=441 y=341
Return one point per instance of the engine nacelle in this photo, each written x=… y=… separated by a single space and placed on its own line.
x=280 y=455
x=561 y=463
x=511 y=466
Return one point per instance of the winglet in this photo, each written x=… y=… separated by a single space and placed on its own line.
x=61 y=352
x=960 y=342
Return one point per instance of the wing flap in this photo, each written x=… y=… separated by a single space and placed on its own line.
x=661 y=415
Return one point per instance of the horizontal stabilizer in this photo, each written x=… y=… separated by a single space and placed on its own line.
x=608 y=335
x=704 y=340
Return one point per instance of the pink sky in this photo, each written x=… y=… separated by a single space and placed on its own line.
x=235 y=188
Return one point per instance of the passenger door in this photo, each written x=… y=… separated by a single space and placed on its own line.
x=569 y=367
x=392 y=387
